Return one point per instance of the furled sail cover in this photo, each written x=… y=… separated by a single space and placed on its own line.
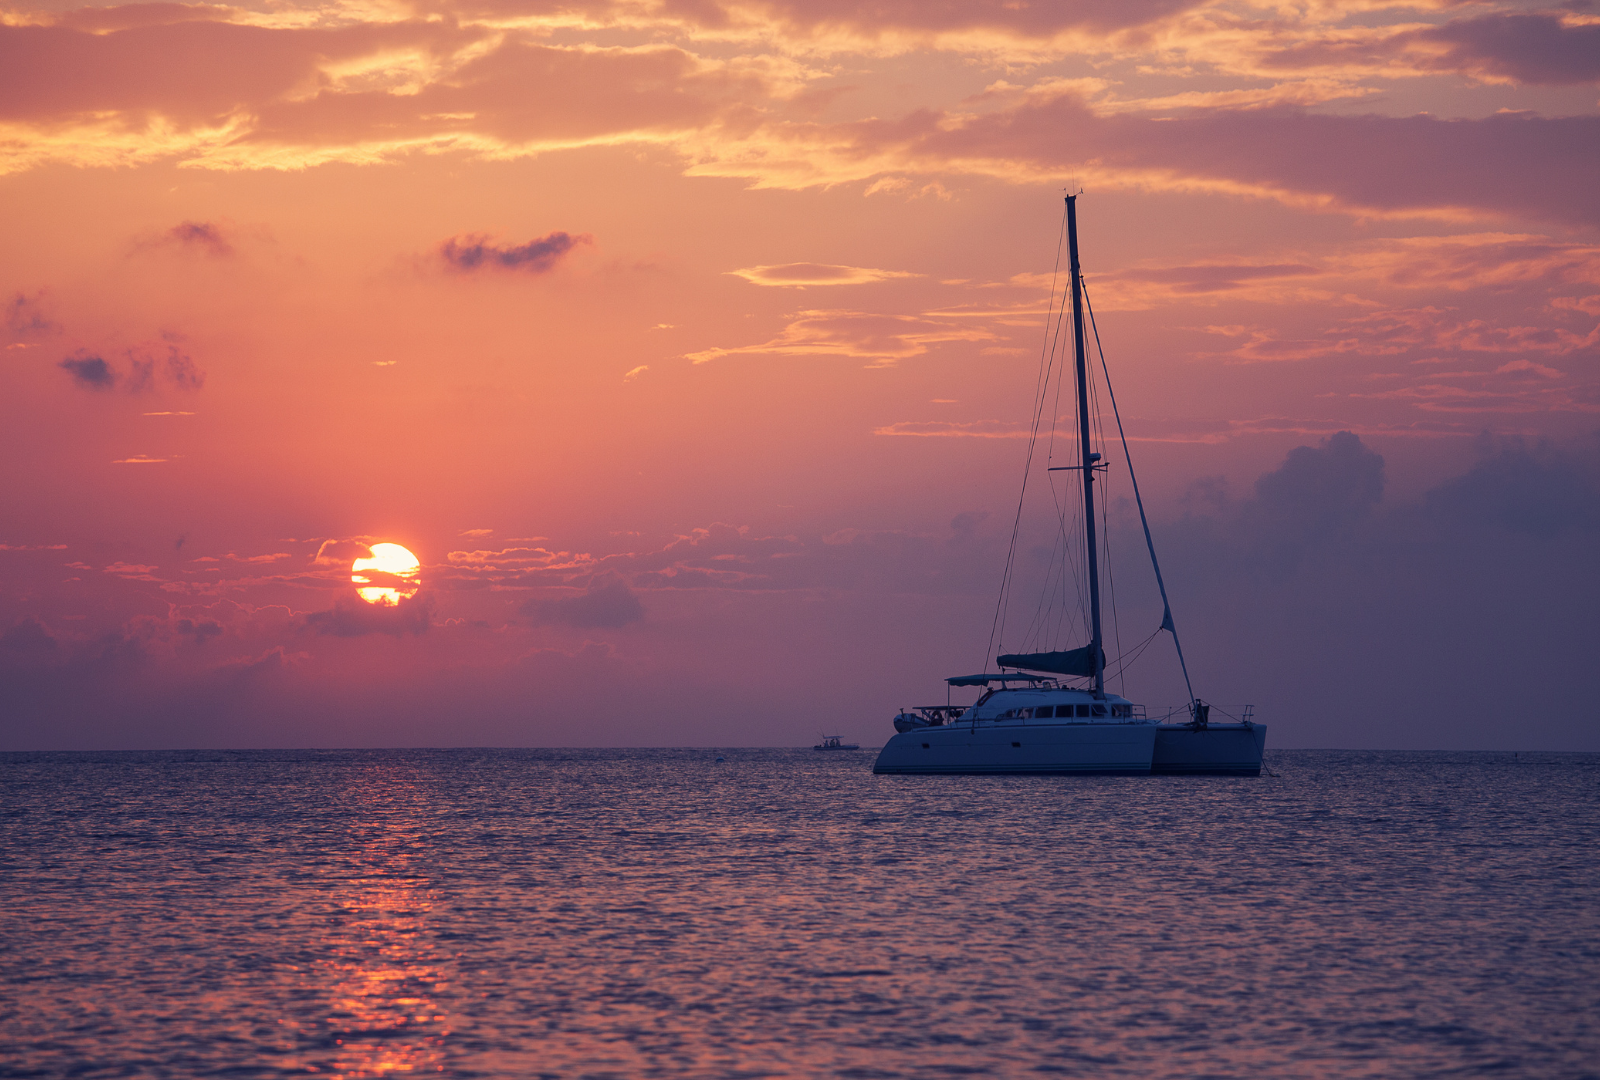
x=1078 y=662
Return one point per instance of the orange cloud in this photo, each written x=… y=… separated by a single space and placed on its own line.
x=364 y=92
x=972 y=429
x=791 y=275
x=1358 y=272
x=880 y=339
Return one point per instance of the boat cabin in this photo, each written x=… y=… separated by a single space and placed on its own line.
x=1055 y=704
x=1041 y=698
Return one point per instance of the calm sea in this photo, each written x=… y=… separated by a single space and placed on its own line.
x=656 y=913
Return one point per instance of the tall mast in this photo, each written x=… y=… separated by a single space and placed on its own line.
x=1088 y=459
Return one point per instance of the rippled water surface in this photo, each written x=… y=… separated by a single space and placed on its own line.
x=786 y=913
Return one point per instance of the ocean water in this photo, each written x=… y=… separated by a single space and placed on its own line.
x=655 y=913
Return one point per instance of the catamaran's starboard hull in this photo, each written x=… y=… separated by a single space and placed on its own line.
x=1217 y=750
x=1007 y=748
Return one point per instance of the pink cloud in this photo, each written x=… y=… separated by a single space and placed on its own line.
x=879 y=339
x=234 y=96
x=1516 y=367
x=1355 y=164
x=1538 y=48
x=187 y=71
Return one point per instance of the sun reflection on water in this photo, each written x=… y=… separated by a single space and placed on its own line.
x=382 y=982
x=384 y=1012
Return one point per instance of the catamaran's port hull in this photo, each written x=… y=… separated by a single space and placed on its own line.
x=1217 y=750
x=1012 y=748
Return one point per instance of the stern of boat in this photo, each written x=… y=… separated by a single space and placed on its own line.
x=1213 y=750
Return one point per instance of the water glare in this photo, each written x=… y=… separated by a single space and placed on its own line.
x=785 y=913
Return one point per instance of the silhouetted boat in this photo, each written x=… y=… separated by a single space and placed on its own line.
x=834 y=742
x=1029 y=720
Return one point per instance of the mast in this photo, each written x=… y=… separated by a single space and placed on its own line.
x=1088 y=459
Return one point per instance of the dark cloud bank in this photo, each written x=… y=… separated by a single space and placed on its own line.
x=357 y=618
x=607 y=603
x=1463 y=619
x=1459 y=619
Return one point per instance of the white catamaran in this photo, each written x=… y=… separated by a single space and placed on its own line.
x=1051 y=713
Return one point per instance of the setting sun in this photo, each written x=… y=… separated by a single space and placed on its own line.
x=389 y=576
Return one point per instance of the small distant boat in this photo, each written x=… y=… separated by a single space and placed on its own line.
x=1051 y=713
x=835 y=742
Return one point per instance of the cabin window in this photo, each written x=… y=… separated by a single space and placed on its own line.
x=1118 y=712
x=1043 y=712
x=1099 y=710
x=1083 y=711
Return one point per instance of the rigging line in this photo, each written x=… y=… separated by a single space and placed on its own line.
x=1111 y=580
x=1041 y=611
x=1055 y=496
x=1046 y=603
x=1055 y=406
x=1126 y=660
x=1041 y=384
x=1132 y=660
x=1066 y=519
x=1070 y=568
x=1166 y=606
x=1047 y=637
x=1105 y=508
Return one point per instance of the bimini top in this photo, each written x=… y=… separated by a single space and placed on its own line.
x=985 y=680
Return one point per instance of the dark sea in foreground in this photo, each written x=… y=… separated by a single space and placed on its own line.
x=644 y=913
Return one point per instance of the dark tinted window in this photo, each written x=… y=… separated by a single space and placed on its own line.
x=1099 y=710
x=1083 y=710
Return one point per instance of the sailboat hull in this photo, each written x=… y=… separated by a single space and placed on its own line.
x=1011 y=748
x=1216 y=750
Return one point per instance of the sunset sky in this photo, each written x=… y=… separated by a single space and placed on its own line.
x=690 y=346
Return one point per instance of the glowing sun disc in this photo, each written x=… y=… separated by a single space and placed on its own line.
x=390 y=576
